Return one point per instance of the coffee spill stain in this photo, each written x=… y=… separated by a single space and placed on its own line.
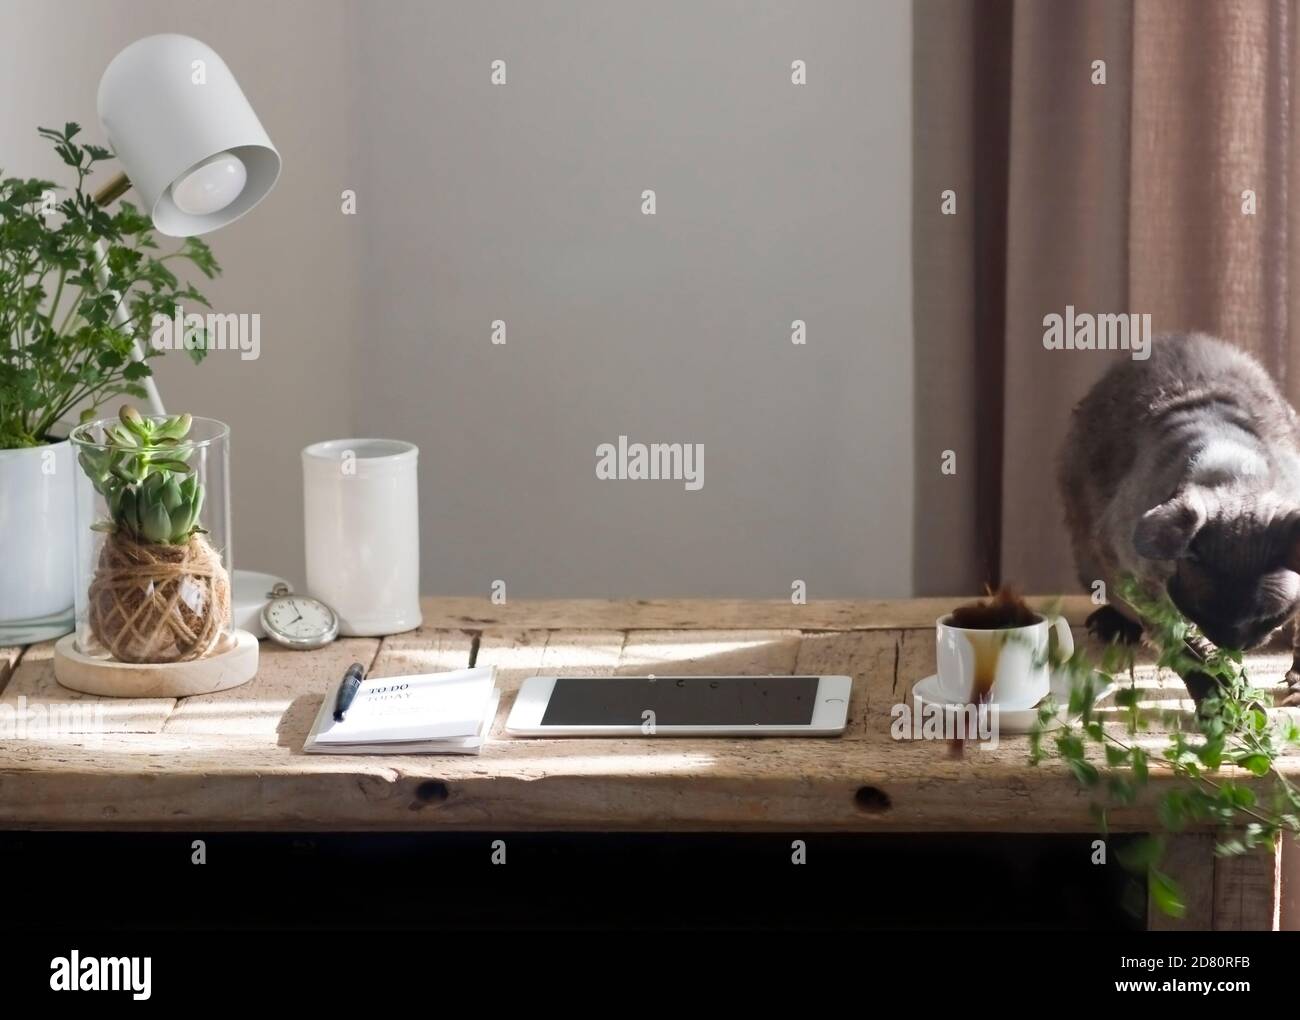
x=988 y=651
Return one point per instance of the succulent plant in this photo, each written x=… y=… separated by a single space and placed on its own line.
x=139 y=472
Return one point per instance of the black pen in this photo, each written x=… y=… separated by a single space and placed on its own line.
x=348 y=689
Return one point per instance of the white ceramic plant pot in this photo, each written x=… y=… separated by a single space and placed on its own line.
x=37 y=535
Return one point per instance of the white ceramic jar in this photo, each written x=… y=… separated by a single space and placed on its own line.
x=361 y=528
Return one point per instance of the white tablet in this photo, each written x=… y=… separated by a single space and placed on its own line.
x=685 y=706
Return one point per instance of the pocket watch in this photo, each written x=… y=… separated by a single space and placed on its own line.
x=298 y=621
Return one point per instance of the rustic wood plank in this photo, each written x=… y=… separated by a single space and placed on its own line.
x=884 y=665
x=170 y=780
x=1247 y=891
x=229 y=767
x=515 y=653
x=1189 y=860
x=8 y=662
x=705 y=614
x=252 y=780
x=709 y=652
x=281 y=701
x=33 y=693
x=869 y=657
x=1289 y=894
x=518 y=655
x=423 y=651
x=583 y=652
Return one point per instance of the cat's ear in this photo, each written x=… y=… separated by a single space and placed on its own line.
x=1165 y=531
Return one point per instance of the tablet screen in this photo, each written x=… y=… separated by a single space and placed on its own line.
x=682 y=701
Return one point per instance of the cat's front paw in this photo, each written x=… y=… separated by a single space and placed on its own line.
x=1108 y=624
x=1290 y=697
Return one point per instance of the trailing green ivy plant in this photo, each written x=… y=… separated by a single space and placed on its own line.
x=60 y=346
x=1230 y=727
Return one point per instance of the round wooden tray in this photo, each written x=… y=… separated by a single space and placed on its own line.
x=229 y=667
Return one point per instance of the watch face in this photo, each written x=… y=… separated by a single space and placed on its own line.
x=299 y=619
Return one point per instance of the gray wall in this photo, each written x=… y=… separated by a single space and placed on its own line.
x=522 y=202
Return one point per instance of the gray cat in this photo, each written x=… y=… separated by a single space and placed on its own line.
x=1184 y=471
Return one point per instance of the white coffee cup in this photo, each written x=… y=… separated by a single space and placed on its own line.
x=1011 y=662
x=361 y=527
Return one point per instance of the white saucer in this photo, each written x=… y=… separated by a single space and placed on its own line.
x=1011 y=721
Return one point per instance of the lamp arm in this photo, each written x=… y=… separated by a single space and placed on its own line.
x=120 y=319
x=117 y=186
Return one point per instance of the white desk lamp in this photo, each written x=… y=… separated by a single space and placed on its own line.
x=195 y=151
x=191 y=143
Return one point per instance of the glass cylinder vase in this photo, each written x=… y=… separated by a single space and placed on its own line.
x=153 y=555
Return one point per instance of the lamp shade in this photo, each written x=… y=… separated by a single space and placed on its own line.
x=177 y=119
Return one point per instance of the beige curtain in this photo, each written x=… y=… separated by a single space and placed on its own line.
x=1122 y=197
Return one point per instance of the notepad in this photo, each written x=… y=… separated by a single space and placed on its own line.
x=430 y=713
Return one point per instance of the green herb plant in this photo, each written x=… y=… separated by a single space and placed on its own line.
x=1115 y=759
x=60 y=343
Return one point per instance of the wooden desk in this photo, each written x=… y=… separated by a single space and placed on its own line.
x=234 y=761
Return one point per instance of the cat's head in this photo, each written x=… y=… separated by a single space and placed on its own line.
x=1235 y=561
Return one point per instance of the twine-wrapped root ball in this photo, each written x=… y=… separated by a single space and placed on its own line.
x=159 y=602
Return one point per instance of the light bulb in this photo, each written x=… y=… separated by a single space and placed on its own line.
x=210 y=186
